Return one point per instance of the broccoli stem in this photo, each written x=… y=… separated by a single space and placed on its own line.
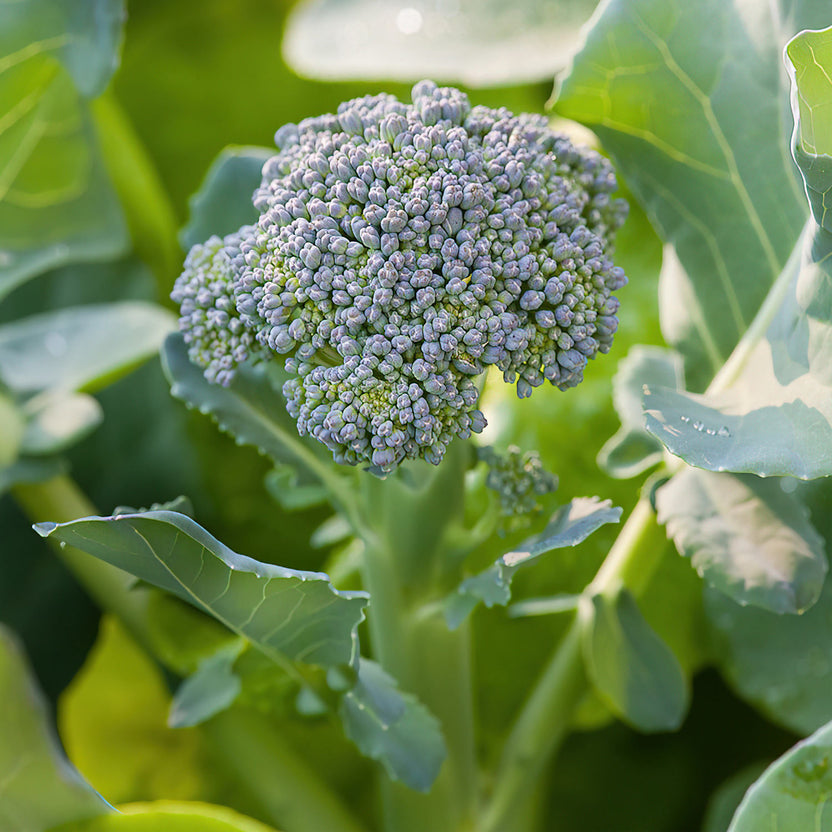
x=546 y=716
x=406 y=563
x=290 y=794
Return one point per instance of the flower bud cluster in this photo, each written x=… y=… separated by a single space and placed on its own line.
x=519 y=479
x=401 y=251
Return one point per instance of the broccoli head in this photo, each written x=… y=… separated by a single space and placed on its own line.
x=401 y=250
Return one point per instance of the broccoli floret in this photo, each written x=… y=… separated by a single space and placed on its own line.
x=401 y=250
x=519 y=479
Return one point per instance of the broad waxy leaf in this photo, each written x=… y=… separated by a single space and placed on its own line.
x=250 y=409
x=38 y=786
x=746 y=537
x=82 y=347
x=633 y=450
x=12 y=427
x=776 y=416
x=283 y=612
x=474 y=42
x=392 y=727
x=211 y=689
x=687 y=99
x=169 y=816
x=56 y=203
x=635 y=672
x=793 y=793
x=570 y=525
x=223 y=202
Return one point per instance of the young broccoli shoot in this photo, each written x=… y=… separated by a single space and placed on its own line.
x=401 y=250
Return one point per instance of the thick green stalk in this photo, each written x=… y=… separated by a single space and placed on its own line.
x=405 y=571
x=290 y=794
x=547 y=714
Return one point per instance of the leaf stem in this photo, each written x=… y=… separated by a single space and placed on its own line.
x=546 y=715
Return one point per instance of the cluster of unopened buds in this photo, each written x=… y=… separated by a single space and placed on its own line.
x=401 y=250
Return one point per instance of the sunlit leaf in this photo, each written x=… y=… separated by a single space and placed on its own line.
x=38 y=786
x=170 y=816
x=474 y=42
x=113 y=721
x=746 y=536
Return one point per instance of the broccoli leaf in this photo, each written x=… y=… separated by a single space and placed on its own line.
x=56 y=202
x=635 y=672
x=250 y=409
x=698 y=134
x=285 y=613
x=80 y=348
x=570 y=525
x=392 y=727
x=633 y=450
x=475 y=42
x=211 y=689
x=747 y=537
x=775 y=418
x=223 y=202
x=793 y=792
x=38 y=786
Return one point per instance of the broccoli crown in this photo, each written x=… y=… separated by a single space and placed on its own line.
x=519 y=479
x=400 y=251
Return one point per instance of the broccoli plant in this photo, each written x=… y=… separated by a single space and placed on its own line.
x=390 y=309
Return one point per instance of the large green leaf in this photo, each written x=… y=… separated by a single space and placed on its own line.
x=794 y=792
x=570 y=525
x=746 y=536
x=392 y=727
x=169 y=816
x=82 y=347
x=57 y=421
x=775 y=417
x=687 y=99
x=635 y=672
x=38 y=787
x=283 y=612
x=56 y=203
x=475 y=42
x=223 y=202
